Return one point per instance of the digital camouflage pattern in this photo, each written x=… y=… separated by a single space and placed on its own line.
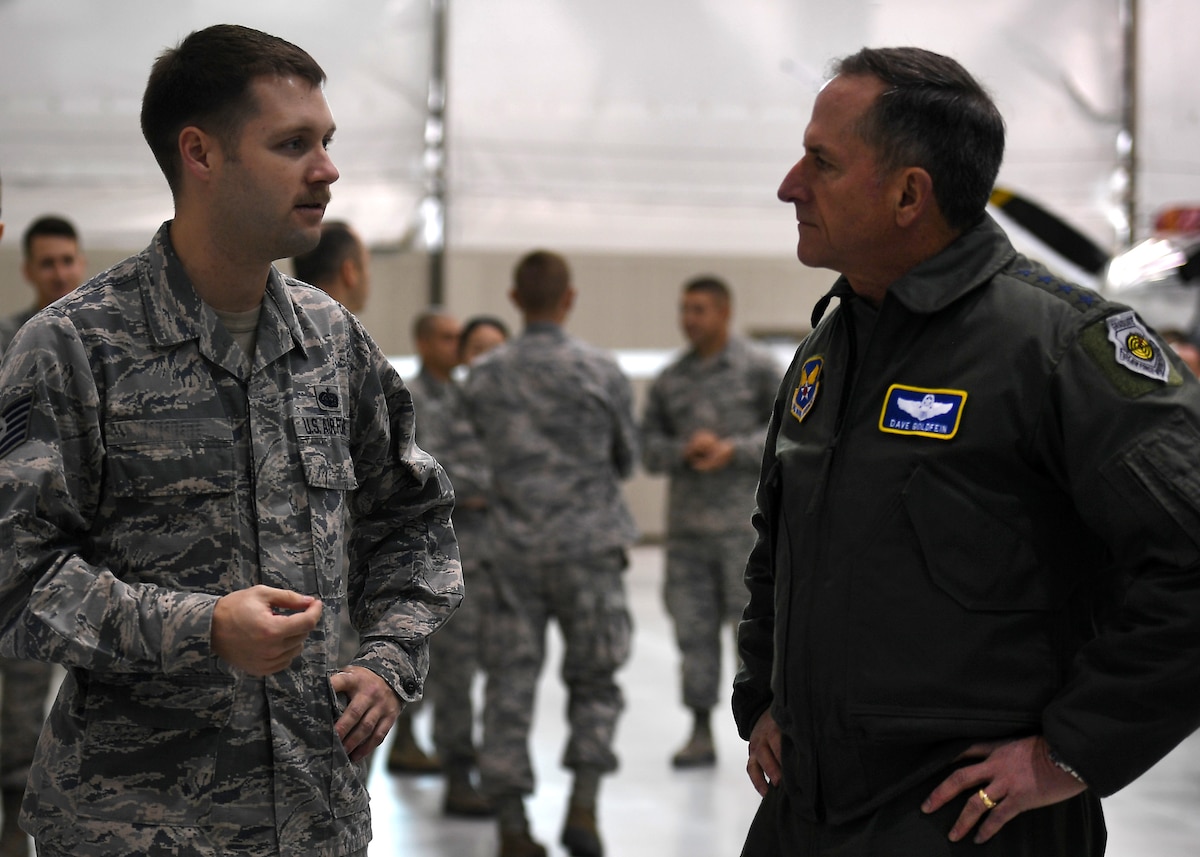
x=709 y=530
x=24 y=685
x=446 y=432
x=586 y=597
x=730 y=394
x=161 y=468
x=555 y=417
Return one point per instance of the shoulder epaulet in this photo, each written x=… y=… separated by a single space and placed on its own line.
x=1080 y=297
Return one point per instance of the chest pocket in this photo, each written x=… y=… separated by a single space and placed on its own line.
x=159 y=459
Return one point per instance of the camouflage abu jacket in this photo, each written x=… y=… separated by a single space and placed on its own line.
x=146 y=469
x=732 y=394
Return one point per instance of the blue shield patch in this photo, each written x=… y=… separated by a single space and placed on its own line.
x=806 y=391
x=922 y=412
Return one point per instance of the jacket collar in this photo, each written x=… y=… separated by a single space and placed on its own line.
x=969 y=262
x=176 y=314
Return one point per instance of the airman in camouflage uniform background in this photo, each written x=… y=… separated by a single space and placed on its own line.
x=704 y=425
x=176 y=489
x=446 y=431
x=54 y=265
x=555 y=418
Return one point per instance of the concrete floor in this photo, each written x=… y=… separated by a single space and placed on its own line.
x=648 y=808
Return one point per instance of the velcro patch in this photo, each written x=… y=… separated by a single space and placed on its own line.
x=922 y=412
x=1136 y=350
x=806 y=391
x=14 y=424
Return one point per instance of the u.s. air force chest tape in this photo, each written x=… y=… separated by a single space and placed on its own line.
x=1129 y=355
x=922 y=412
x=329 y=419
x=809 y=384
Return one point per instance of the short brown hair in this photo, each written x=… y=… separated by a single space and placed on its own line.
x=540 y=280
x=205 y=81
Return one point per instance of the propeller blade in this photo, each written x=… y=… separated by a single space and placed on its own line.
x=1052 y=230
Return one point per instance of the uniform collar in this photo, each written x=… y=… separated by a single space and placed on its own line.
x=971 y=260
x=544 y=328
x=175 y=313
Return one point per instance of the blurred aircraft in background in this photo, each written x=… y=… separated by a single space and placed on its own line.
x=1158 y=276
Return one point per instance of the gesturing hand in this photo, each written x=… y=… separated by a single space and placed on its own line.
x=1015 y=776
x=261 y=630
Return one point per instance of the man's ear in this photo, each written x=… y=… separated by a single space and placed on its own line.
x=196 y=150
x=915 y=196
x=350 y=272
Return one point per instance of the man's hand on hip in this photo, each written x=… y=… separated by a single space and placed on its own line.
x=370 y=713
x=1012 y=777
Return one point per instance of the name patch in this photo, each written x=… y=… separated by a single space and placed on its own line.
x=806 y=391
x=1135 y=349
x=922 y=412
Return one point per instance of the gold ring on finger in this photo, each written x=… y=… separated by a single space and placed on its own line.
x=987 y=801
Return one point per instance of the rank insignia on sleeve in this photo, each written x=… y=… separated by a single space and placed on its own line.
x=1136 y=350
x=806 y=390
x=922 y=412
x=14 y=424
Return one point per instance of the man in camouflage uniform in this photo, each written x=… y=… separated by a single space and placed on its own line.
x=54 y=266
x=704 y=426
x=555 y=418
x=177 y=479
x=444 y=429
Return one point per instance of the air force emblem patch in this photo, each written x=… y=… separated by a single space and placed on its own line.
x=1135 y=348
x=922 y=412
x=807 y=389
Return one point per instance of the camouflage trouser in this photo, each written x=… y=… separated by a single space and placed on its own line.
x=586 y=597
x=454 y=659
x=704 y=590
x=26 y=685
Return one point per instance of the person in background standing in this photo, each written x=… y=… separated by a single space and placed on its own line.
x=704 y=425
x=54 y=265
x=554 y=415
x=444 y=429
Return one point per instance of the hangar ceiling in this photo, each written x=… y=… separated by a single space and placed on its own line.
x=628 y=125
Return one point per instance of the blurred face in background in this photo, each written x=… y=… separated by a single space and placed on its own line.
x=481 y=340
x=704 y=317
x=54 y=267
x=438 y=347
